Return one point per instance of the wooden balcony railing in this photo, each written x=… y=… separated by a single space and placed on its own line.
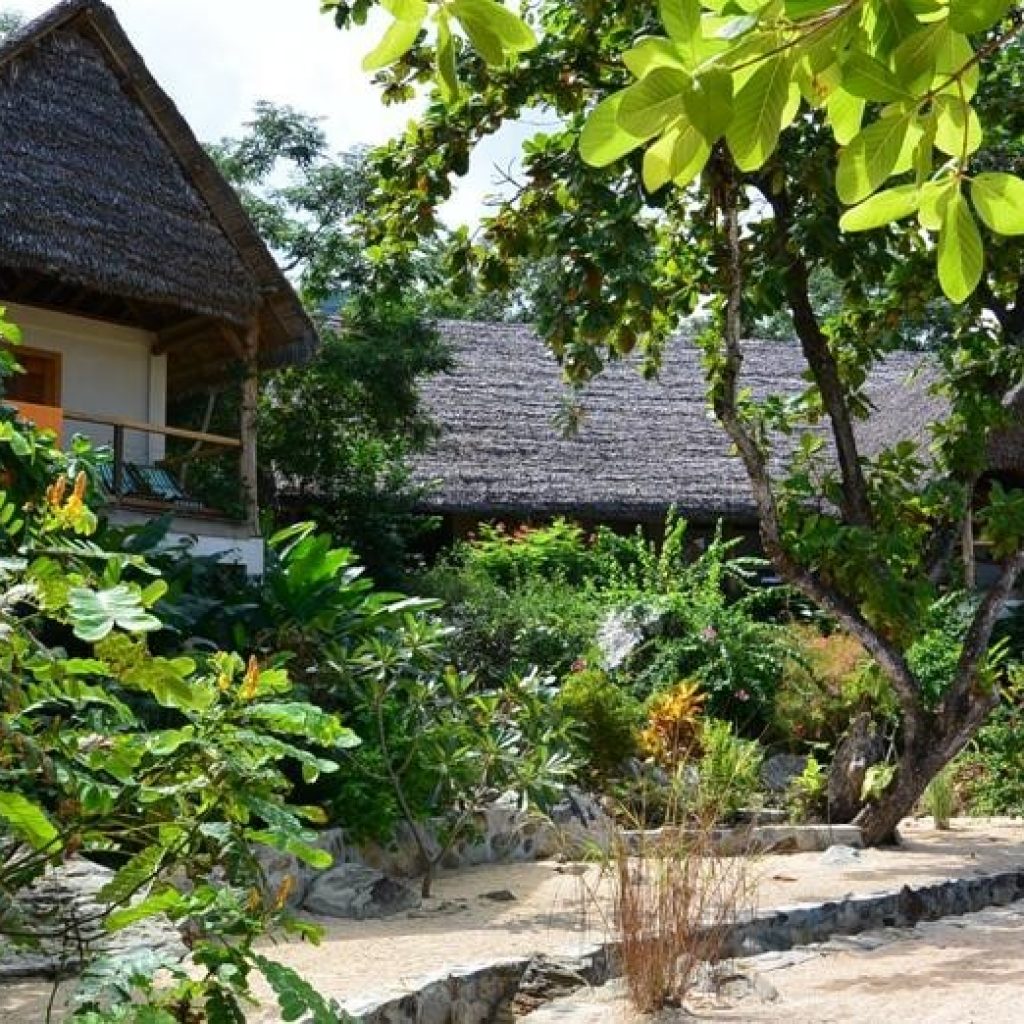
x=204 y=445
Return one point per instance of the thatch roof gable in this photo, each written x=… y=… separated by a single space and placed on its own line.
x=103 y=184
x=642 y=445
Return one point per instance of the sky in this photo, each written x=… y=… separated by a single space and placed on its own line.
x=216 y=58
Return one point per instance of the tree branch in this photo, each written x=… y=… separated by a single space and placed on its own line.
x=856 y=505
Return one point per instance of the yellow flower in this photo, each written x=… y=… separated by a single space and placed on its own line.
x=251 y=679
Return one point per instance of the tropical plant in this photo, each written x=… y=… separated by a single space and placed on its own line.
x=807 y=795
x=674 y=724
x=940 y=798
x=728 y=770
x=602 y=719
x=446 y=746
x=179 y=809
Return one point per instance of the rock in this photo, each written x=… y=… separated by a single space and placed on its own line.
x=840 y=856
x=499 y=896
x=360 y=893
x=280 y=869
x=858 y=750
x=618 y=637
x=66 y=901
x=779 y=771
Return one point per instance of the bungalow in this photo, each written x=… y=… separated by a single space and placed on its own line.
x=639 y=446
x=134 y=272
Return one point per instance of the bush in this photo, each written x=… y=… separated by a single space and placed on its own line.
x=806 y=798
x=602 y=718
x=826 y=682
x=674 y=725
x=991 y=772
x=729 y=770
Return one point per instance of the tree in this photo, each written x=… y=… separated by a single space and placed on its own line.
x=798 y=136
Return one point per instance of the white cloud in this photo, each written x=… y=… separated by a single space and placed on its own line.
x=216 y=58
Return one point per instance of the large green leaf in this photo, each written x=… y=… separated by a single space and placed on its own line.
x=603 y=140
x=95 y=613
x=871 y=157
x=681 y=19
x=845 y=115
x=976 y=15
x=870 y=79
x=757 y=113
x=679 y=155
x=650 y=105
x=652 y=52
x=961 y=255
x=709 y=103
x=999 y=200
x=882 y=208
x=297 y=719
x=400 y=35
x=27 y=820
x=495 y=32
x=957 y=128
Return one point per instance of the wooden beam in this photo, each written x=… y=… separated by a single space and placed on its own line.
x=185 y=331
x=250 y=407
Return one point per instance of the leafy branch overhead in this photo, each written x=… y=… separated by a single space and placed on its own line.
x=895 y=81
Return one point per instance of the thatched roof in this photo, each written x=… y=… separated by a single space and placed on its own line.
x=109 y=205
x=642 y=446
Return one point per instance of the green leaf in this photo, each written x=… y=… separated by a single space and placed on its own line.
x=297 y=719
x=650 y=53
x=495 y=32
x=679 y=155
x=882 y=208
x=95 y=613
x=447 y=76
x=28 y=821
x=971 y=16
x=395 y=43
x=845 y=115
x=934 y=197
x=295 y=996
x=651 y=104
x=133 y=876
x=957 y=128
x=709 y=104
x=999 y=200
x=961 y=255
x=870 y=79
x=870 y=158
x=166 y=902
x=681 y=19
x=757 y=116
x=603 y=140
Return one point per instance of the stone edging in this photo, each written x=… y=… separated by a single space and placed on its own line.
x=499 y=992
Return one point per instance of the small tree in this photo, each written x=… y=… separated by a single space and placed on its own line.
x=447 y=747
x=886 y=111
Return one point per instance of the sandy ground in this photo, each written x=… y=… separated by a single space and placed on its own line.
x=554 y=911
x=957 y=971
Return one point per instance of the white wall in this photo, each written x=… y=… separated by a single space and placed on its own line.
x=107 y=369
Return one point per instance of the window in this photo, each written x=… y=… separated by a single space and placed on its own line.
x=40 y=383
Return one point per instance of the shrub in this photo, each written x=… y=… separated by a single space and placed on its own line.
x=807 y=796
x=602 y=719
x=940 y=797
x=826 y=682
x=991 y=772
x=729 y=769
x=673 y=730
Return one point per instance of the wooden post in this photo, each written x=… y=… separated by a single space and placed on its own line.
x=119 y=488
x=250 y=401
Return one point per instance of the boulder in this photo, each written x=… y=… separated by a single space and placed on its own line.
x=358 y=892
x=858 y=750
x=779 y=771
x=281 y=869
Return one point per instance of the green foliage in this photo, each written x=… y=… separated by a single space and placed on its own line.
x=728 y=770
x=807 y=795
x=446 y=744
x=991 y=772
x=603 y=718
x=825 y=684
x=180 y=808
